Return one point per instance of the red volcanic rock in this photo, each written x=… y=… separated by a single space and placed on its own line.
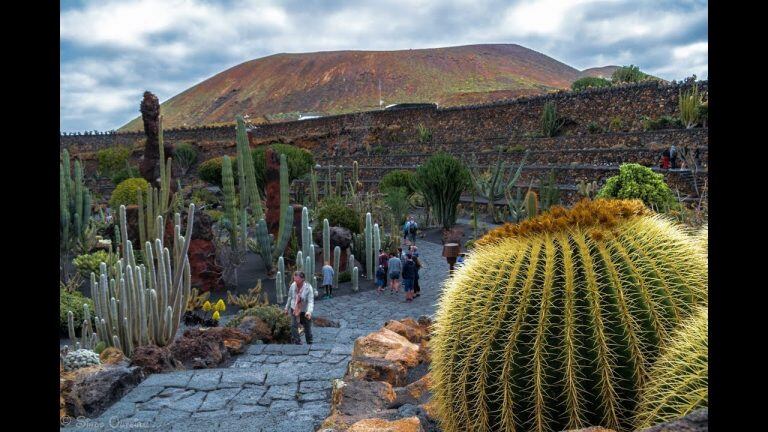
x=153 y=359
x=206 y=274
x=199 y=349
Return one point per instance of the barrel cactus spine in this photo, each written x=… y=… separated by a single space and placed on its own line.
x=581 y=300
x=680 y=375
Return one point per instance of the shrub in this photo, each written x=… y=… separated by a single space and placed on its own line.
x=397 y=201
x=300 y=161
x=664 y=122
x=593 y=128
x=424 y=134
x=638 y=182
x=587 y=82
x=554 y=323
x=113 y=159
x=441 y=180
x=616 y=124
x=278 y=322
x=345 y=276
x=338 y=214
x=398 y=179
x=202 y=196
x=185 y=155
x=550 y=122
x=680 y=375
x=125 y=173
x=126 y=192
x=628 y=74
x=210 y=171
x=216 y=215
x=72 y=301
x=690 y=107
x=89 y=263
x=378 y=149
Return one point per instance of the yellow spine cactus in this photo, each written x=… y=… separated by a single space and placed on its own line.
x=554 y=323
x=216 y=316
x=207 y=306
x=680 y=375
x=220 y=306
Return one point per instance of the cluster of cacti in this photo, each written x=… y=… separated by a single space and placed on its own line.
x=143 y=304
x=550 y=194
x=680 y=375
x=74 y=203
x=79 y=359
x=88 y=339
x=158 y=202
x=587 y=190
x=554 y=323
x=494 y=187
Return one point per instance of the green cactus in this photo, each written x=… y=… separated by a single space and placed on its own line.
x=143 y=304
x=313 y=188
x=249 y=195
x=376 y=239
x=280 y=280
x=554 y=323
x=587 y=190
x=531 y=204
x=228 y=187
x=306 y=238
x=492 y=186
x=74 y=204
x=336 y=265
x=351 y=261
x=550 y=194
x=326 y=241
x=355 y=286
x=680 y=375
x=299 y=261
x=369 y=246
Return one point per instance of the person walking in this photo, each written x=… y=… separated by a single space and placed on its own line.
x=416 y=287
x=300 y=304
x=395 y=267
x=328 y=280
x=409 y=275
x=665 y=159
x=381 y=279
x=673 y=157
x=410 y=229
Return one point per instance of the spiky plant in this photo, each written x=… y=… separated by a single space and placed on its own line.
x=680 y=375
x=703 y=237
x=555 y=322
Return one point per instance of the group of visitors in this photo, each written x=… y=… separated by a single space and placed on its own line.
x=396 y=266
x=670 y=156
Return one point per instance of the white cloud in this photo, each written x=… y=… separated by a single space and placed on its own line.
x=116 y=49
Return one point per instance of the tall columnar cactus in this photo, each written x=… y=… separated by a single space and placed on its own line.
x=369 y=246
x=286 y=225
x=326 y=241
x=554 y=323
x=531 y=204
x=376 y=239
x=299 y=261
x=313 y=188
x=680 y=375
x=351 y=261
x=355 y=277
x=336 y=265
x=74 y=203
x=143 y=304
x=249 y=191
x=306 y=240
x=280 y=286
x=228 y=183
x=312 y=256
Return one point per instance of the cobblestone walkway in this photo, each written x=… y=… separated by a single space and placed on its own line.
x=272 y=387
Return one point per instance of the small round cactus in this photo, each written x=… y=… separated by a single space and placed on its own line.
x=79 y=359
x=554 y=323
x=680 y=375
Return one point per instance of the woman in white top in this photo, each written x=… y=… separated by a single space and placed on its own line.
x=301 y=302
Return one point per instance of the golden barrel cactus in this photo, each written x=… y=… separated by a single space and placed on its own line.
x=680 y=375
x=554 y=323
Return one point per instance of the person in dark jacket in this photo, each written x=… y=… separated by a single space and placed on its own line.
x=416 y=287
x=409 y=275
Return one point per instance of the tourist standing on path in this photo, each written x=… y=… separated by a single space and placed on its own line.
x=395 y=267
x=328 y=280
x=381 y=279
x=673 y=157
x=409 y=275
x=409 y=230
x=300 y=304
x=665 y=159
x=416 y=287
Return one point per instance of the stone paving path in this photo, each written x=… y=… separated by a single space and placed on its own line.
x=272 y=387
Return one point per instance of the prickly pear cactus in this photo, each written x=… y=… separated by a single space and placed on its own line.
x=79 y=359
x=554 y=323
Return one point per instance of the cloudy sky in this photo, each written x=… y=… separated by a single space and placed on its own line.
x=113 y=50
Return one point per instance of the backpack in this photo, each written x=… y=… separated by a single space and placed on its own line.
x=412 y=228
